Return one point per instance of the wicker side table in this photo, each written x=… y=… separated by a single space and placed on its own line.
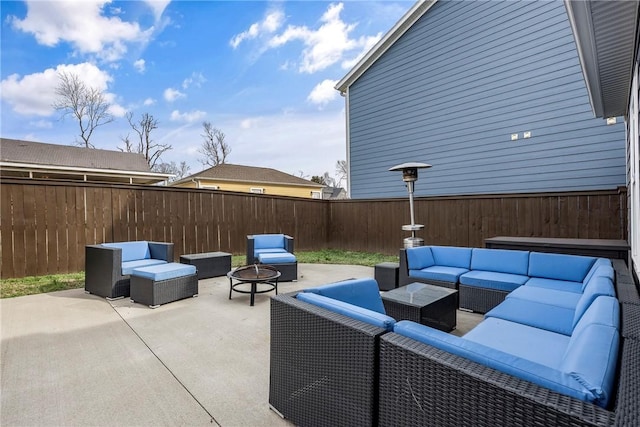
x=429 y=305
x=386 y=274
x=209 y=264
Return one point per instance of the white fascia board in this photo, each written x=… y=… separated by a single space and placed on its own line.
x=579 y=13
x=408 y=19
x=87 y=171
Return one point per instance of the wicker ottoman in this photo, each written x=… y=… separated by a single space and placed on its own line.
x=285 y=263
x=163 y=283
x=386 y=274
x=209 y=264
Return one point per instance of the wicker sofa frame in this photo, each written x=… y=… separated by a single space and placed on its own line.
x=404 y=279
x=324 y=365
x=416 y=384
x=103 y=269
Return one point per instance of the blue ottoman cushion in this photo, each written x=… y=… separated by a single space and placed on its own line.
x=165 y=271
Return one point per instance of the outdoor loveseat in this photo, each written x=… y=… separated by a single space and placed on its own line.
x=108 y=266
x=336 y=364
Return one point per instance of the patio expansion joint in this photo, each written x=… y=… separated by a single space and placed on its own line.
x=213 y=419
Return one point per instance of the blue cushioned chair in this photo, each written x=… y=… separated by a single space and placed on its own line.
x=275 y=250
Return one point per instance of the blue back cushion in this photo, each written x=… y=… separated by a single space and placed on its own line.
x=606 y=270
x=573 y=268
x=452 y=256
x=266 y=241
x=604 y=310
x=361 y=292
x=419 y=258
x=591 y=359
x=500 y=260
x=132 y=251
x=364 y=315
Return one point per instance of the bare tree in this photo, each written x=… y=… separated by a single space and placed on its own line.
x=180 y=171
x=341 y=171
x=88 y=105
x=145 y=144
x=214 y=149
x=325 y=179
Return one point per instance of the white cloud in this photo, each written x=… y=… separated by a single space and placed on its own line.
x=149 y=101
x=139 y=65
x=323 y=93
x=271 y=23
x=83 y=25
x=42 y=124
x=34 y=94
x=196 y=79
x=190 y=117
x=171 y=94
x=250 y=122
x=158 y=7
x=328 y=44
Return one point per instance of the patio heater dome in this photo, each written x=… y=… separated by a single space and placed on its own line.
x=410 y=176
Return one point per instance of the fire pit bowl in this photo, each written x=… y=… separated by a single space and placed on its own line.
x=253 y=274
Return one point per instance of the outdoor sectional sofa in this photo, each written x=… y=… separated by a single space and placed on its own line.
x=484 y=277
x=108 y=266
x=337 y=359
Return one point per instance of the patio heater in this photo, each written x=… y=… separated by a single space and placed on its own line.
x=410 y=176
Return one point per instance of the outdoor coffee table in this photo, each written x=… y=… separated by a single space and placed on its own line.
x=209 y=264
x=254 y=275
x=429 y=305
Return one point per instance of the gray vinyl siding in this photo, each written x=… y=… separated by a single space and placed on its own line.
x=452 y=90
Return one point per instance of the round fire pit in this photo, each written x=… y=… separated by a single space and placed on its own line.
x=254 y=275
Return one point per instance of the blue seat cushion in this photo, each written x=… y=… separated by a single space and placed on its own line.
x=537 y=345
x=276 y=258
x=270 y=251
x=361 y=292
x=451 y=256
x=165 y=271
x=597 y=286
x=559 y=285
x=573 y=268
x=500 y=261
x=353 y=311
x=129 y=266
x=491 y=280
x=439 y=272
x=537 y=373
x=535 y=314
x=132 y=251
x=546 y=296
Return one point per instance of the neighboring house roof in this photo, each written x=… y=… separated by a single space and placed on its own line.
x=606 y=34
x=334 y=193
x=67 y=161
x=239 y=173
x=417 y=10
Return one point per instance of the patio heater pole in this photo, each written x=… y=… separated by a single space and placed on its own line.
x=410 y=176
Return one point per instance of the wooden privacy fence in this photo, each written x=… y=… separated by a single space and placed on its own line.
x=45 y=224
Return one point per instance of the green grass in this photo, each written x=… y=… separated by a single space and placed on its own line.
x=10 y=288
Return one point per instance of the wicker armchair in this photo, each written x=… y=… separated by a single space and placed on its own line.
x=281 y=246
x=103 y=268
x=323 y=365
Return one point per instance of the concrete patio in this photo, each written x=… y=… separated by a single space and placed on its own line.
x=73 y=359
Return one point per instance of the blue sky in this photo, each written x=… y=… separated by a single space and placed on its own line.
x=261 y=71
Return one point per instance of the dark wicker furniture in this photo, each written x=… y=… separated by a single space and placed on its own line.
x=324 y=365
x=430 y=305
x=479 y=300
x=288 y=270
x=103 y=269
x=605 y=248
x=149 y=292
x=404 y=279
x=386 y=274
x=209 y=264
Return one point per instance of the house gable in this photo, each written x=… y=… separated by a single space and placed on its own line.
x=455 y=87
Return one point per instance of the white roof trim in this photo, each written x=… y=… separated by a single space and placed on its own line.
x=417 y=10
x=87 y=171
